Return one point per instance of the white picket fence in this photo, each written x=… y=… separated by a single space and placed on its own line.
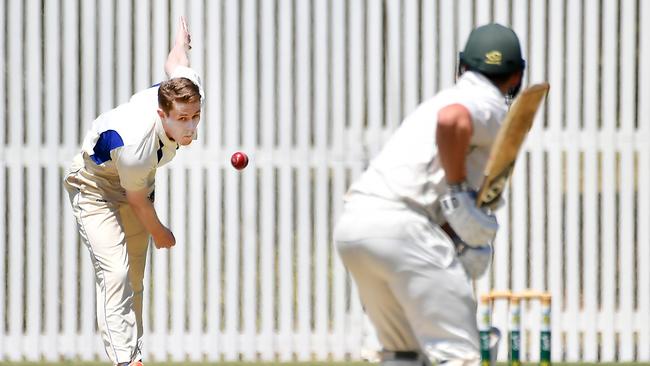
x=310 y=89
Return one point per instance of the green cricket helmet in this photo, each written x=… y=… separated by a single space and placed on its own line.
x=492 y=50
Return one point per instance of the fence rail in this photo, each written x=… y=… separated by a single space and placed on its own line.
x=311 y=89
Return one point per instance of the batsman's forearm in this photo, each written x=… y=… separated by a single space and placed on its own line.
x=452 y=149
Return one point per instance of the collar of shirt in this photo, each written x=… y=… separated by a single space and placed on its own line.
x=162 y=135
x=476 y=78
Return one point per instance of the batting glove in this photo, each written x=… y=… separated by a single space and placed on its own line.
x=476 y=260
x=475 y=226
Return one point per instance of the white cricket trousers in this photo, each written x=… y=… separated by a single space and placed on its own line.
x=411 y=284
x=117 y=243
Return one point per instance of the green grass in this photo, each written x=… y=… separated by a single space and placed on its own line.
x=70 y=363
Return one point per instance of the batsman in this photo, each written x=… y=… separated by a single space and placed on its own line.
x=111 y=188
x=411 y=233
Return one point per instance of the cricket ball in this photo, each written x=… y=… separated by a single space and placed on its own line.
x=239 y=160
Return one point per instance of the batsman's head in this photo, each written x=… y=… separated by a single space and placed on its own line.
x=179 y=107
x=494 y=51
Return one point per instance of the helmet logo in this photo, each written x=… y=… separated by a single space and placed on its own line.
x=493 y=58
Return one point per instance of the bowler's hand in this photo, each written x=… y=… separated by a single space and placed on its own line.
x=164 y=239
x=182 y=44
x=183 y=37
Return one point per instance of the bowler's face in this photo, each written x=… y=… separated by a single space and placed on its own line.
x=184 y=118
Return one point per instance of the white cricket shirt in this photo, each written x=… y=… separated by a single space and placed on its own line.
x=408 y=170
x=125 y=145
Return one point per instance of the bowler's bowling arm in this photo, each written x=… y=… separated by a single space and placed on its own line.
x=145 y=211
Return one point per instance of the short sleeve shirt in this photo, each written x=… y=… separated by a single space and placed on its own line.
x=408 y=169
x=125 y=145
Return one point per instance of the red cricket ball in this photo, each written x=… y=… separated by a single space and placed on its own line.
x=239 y=160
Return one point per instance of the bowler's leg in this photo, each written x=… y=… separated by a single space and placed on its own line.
x=137 y=242
x=103 y=234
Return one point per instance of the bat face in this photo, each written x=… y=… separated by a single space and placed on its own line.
x=508 y=142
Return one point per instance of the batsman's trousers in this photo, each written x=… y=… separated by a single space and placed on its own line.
x=411 y=284
x=117 y=243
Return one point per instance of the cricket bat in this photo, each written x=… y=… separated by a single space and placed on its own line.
x=508 y=142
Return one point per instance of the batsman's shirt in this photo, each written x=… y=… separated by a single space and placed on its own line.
x=408 y=170
x=123 y=149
